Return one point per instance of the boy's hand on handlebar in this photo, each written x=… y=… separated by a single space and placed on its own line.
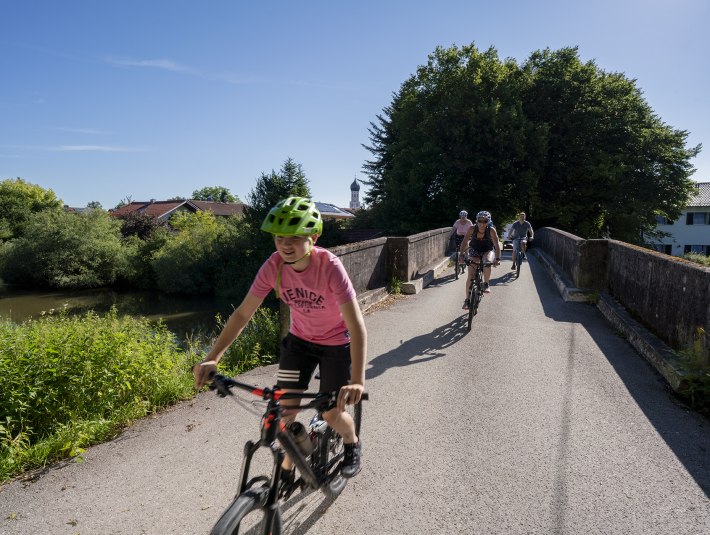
x=203 y=372
x=349 y=395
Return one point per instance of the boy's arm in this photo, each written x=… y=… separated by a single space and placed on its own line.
x=358 y=353
x=232 y=329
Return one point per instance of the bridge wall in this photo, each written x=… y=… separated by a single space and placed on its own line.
x=367 y=263
x=669 y=295
x=372 y=264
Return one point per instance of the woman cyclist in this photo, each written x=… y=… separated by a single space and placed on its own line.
x=461 y=227
x=327 y=328
x=483 y=242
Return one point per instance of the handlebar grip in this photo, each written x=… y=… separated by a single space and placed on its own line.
x=365 y=396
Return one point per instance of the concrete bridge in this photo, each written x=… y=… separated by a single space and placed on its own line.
x=543 y=419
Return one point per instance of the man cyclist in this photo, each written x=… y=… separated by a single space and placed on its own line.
x=461 y=227
x=483 y=242
x=520 y=229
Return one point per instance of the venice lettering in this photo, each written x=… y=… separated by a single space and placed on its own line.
x=303 y=299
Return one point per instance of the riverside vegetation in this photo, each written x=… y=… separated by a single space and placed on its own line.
x=67 y=382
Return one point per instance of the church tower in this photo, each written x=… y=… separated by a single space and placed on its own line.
x=355 y=195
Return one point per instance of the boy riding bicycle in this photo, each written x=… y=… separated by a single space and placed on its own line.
x=327 y=328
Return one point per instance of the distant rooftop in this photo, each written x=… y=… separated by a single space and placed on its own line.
x=330 y=210
x=702 y=198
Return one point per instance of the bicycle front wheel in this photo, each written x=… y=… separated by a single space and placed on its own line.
x=331 y=451
x=518 y=261
x=247 y=515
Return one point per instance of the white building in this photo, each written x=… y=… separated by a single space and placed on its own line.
x=691 y=232
x=355 y=195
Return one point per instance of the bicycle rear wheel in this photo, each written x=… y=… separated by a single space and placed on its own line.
x=456 y=265
x=331 y=450
x=247 y=515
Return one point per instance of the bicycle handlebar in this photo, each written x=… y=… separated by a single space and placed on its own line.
x=222 y=385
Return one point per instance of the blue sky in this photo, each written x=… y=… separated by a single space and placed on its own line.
x=141 y=99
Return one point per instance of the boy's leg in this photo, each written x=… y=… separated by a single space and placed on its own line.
x=335 y=373
x=296 y=367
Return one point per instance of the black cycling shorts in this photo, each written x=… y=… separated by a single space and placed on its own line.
x=299 y=359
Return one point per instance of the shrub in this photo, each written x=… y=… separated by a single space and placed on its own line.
x=68 y=382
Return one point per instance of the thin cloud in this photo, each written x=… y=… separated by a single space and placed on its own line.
x=161 y=64
x=96 y=148
x=89 y=131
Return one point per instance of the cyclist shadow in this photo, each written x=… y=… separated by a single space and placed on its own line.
x=296 y=506
x=419 y=349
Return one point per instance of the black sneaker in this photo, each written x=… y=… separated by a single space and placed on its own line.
x=466 y=304
x=351 y=460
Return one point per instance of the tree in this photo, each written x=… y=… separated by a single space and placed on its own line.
x=573 y=146
x=214 y=193
x=453 y=138
x=611 y=163
x=18 y=201
x=59 y=249
x=270 y=189
x=94 y=205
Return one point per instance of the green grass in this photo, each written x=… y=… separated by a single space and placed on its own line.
x=69 y=382
x=698 y=258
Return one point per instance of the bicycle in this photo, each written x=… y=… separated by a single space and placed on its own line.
x=475 y=293
x=316 y=452
x=457 y=257
x=518 y=258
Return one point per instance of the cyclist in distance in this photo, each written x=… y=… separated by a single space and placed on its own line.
x=461 y=227
x=327 y=328
x=482 y=241
x=520 y=229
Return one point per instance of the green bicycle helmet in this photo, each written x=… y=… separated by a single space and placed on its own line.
x=294 y=216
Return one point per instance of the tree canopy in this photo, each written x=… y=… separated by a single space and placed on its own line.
x=18 y=201
x=214 y=193
x=572 y=145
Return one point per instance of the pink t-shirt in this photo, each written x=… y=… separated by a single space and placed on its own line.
x=462 y=228
x=313 y=295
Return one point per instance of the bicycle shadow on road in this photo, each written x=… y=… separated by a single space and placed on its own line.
x=419 y=349
x=308 y=503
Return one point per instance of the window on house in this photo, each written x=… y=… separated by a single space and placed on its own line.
x=696 y=218
x=660 y=220
x=698 y=249
x=668 y=249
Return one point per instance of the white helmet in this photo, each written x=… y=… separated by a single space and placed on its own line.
x=463 y=213
x=485 y=214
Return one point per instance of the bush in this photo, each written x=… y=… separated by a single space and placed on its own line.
x=696 y=364
x=258 y=345
x=68 y=382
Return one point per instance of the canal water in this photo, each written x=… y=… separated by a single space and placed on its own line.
x=184 y=316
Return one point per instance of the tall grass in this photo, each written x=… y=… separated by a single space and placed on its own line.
x=68 y=382
x=258 y=345
x=696 y=364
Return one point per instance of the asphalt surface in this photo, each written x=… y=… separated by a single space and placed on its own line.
x=540 y=420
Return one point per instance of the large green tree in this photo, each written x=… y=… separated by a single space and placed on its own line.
x=18 y=201
x=573 y=146
x=611 y=164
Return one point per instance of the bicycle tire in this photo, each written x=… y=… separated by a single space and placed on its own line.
x=471 y=306
x=331 y=447
x=456 y=267
x=249 y=503
x=519 y=260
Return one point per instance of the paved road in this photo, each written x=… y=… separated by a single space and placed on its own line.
x=541 y=420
